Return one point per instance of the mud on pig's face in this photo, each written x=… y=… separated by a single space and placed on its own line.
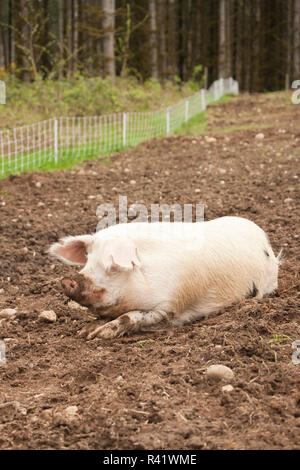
x=82 y=290
x=107 y=267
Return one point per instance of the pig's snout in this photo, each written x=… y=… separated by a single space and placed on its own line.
x=70 y=287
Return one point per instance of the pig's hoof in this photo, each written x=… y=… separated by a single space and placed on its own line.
x=89 y=329
x=108 y=331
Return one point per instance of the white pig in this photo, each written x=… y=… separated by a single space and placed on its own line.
x=146 y=276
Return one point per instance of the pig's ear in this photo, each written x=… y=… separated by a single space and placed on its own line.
x=119 y=255
x=72 y=250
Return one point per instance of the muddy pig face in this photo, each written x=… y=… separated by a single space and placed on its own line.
x=108 y=265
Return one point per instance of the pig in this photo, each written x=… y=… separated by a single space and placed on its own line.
x=149 y=276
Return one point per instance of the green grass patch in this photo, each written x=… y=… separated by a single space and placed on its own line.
x=194 y=126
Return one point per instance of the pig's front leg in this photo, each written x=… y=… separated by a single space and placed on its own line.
x=130 y=322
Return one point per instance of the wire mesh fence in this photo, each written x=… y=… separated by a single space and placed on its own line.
x=48 y=143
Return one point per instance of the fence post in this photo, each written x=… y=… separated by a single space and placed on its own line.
x=215 y=91
x=203 y=104
x=55 y=140
x=168 y=120
x=221 y=87
x=187 y=110
x=124 y=128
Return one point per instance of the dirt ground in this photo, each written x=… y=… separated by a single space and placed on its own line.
x=150 y=391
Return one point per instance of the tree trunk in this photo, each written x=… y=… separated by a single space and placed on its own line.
x=61 y=38
x=296 y=54
x=25 y=40
x=222 y=39
x=2 y=37
x=70 y=38
x=162 y=38
x=153 y=39
x=289 y=45
x=172 y=39
x=256 y=47
x=75 y=38
x=108 y=7
x=228 y=39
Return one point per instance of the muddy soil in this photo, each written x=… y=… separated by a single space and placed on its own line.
x=150 y=391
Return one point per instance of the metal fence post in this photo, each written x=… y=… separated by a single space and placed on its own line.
x=187 y=110
x=203 y=103
x=221 y=87
x=215 y=91
x=168 y=120
x=55 y=140
x=124 y=128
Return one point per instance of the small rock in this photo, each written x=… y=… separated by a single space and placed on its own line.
x=210 y=140
x=75 y=305
x=38 y=184
x=71 y=411
x=119 y=379
x=288 y=199
x=219 y=372
x=260 y=136
x=227 y=388
x=7 y=312
x=40 y=204
x=48 y=315
x=132 y=182
x=197 y=191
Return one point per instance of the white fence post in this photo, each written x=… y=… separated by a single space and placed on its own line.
x=124 y=128
x=203 y=103
x=2 y=92
x=221 y=87
x=168 y=120
x=55 y=140
x=216 y=91
x=186 y=110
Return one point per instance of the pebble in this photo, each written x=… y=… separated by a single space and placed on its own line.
x=260 y=136
x=7 y=312
x=219 y=372
x=210 y=140
x=71 y=411
x=75 y=305
x=227 y=388
x=132 y=182
x=48 y=315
